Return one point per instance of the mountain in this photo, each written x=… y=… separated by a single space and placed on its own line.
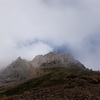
x=56 y=59
x=60 y=83
x=21 y=69
x=56 y=75
x=17 y=71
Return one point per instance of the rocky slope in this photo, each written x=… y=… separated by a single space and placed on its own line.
x=21 y=70
x=55 y=75
x=17 y=71
x=60 y=83
x=56 y=59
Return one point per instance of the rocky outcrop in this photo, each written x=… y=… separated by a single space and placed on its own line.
x=17 y=71
x=56 y=59
x=21 y=69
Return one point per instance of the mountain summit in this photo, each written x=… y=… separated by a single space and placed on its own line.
x=56 y=59
x=20 y=69
x=52 y=76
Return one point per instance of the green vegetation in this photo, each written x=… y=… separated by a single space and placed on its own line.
x=53 y=76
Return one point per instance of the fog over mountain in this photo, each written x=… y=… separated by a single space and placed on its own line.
x=53 y=76
x=21 y=70
x=32 y=27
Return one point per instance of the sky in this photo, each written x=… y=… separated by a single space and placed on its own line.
x=32 y=27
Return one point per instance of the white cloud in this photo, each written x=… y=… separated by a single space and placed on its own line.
x=30 y=51
x=60 y=22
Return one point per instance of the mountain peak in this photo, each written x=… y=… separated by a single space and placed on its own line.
x=19 y=59
x=59 y=54
x=56 y=59
x=22 y=69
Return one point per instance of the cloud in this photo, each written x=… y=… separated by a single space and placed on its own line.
x=31 y=27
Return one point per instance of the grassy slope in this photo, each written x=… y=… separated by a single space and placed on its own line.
x=55 y=76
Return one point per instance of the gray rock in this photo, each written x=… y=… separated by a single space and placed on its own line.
x=17 y=71
x=21 y=69
x=56 y=59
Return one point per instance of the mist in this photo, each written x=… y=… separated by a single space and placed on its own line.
x=32 y=27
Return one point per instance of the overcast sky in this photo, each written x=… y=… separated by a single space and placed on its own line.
x=31 y=27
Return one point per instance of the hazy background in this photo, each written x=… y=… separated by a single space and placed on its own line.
x=31 y=27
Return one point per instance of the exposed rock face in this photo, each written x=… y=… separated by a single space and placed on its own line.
x=20 y=69
x=17 y=71
x=38 y=60
x=56 y=59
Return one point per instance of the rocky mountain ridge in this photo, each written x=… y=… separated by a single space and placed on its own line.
x=56 y=59
x=21 y=69
x=55 y=75
x=17 y=71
